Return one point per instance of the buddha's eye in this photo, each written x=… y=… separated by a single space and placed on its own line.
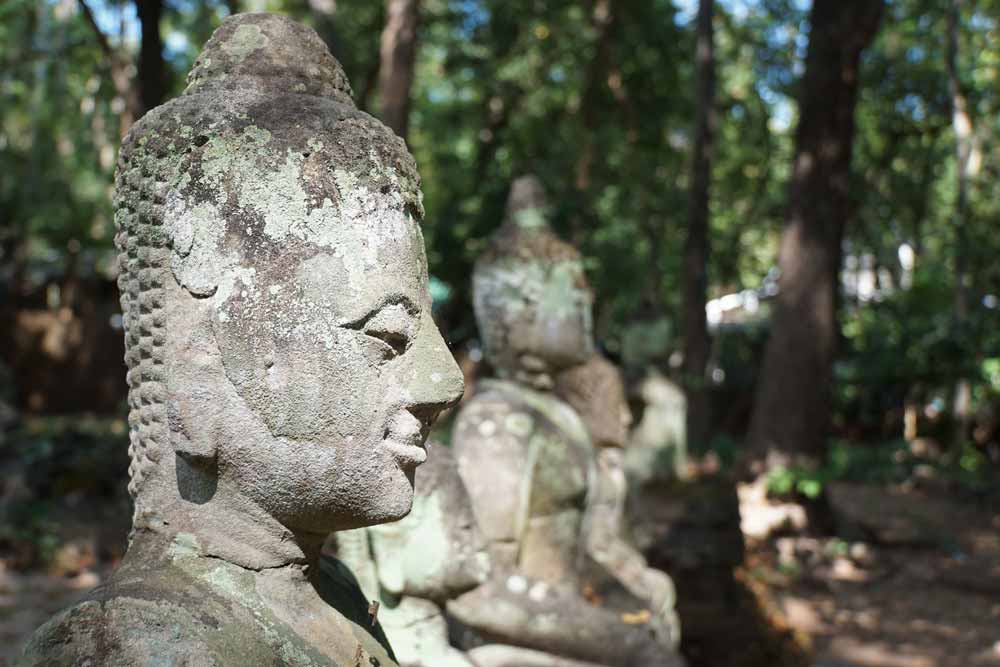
x=396 y=342
x=390 y=327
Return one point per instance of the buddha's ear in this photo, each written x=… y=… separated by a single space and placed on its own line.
x=194 y=436
x=196 y=404
x=193 y=433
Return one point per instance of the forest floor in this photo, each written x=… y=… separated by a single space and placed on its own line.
x=918 y=585
x=901 y=575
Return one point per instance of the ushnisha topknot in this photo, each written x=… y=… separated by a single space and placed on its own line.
x=270 y=54
x=525 y=234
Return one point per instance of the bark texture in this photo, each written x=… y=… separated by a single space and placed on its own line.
x=152 y=68
x=696 y=248
x=791 y=414
x=397 y=56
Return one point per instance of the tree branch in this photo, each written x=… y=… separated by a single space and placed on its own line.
x=102 y=39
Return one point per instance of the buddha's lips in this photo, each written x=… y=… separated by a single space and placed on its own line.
x=405 y=443
x=408 y=453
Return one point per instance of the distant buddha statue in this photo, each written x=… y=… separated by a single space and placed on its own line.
x=529 y=465
x=283 y=365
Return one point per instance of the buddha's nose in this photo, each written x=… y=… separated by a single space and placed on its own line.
x=435 y=381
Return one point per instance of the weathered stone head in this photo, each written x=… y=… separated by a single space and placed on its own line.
x=596 y=391
x=282 y=357
x=530 y=294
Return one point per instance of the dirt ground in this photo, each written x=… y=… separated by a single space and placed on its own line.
x=899 y=576
x=918 y=586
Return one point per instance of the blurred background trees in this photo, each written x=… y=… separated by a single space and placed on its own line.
x=864 y=149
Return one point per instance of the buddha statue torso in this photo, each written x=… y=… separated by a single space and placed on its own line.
x=538 y=457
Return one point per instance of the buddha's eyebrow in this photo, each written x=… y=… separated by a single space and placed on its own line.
x=391 y=299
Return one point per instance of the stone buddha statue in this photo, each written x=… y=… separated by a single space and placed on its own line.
x=283 y=365
x=529 y=465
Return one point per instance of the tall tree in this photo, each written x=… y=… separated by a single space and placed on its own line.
x=965 y=165
x=697 y=248
x=792 y=410
x=152 y=68
x=121 y=78
x=398 y=54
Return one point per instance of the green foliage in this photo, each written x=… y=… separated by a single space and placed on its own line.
x=56 y=468
x=909 y=346
x=57 y=138
x=891 y=462
x=787 y=481
x=909 y=342
x=604 y=116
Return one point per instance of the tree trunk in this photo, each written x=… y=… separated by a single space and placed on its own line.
x=792 y=410
x=604 y=75
x=696 y=248
x=152 y=68
x=964 y=167
x=398 y=55
x=603 y=21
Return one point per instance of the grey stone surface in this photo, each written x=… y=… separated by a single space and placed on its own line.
x=658 y=445
x=413 y=566
x=283 y=365
x=530 y=467
x=596 y=390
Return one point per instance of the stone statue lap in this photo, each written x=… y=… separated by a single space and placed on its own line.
x=283 y=365
x=597 y=393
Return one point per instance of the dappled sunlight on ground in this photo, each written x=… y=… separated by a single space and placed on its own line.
x=920 y=587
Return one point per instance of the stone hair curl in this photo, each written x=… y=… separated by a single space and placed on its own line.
x=142 y=179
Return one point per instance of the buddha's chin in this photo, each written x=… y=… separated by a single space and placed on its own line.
x=391 y=509
x=391 y=505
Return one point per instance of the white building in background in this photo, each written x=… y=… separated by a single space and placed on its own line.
x=861 y=278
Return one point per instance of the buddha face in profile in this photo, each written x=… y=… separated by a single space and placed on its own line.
x=315 y=284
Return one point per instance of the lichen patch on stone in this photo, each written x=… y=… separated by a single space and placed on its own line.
x=245 y=40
